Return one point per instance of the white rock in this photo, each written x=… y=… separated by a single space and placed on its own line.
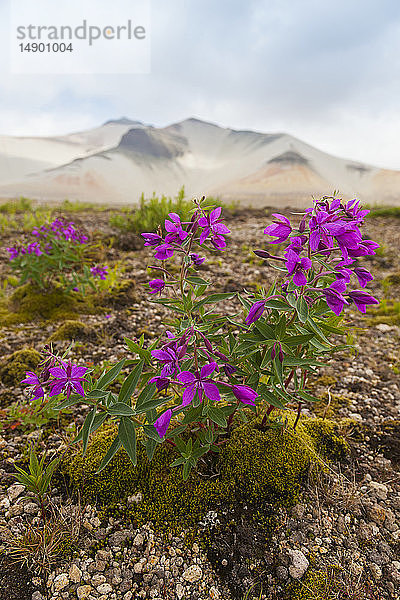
x=104 y=588
x=60 y=582
x=179 y=591
x=383 y=327
x=193 y=573
x=5 y=503
x=128 y=595
x=83 y=591
x=15 y=490
x=299 y=564
x=380 y=489
x=31 y=508
x=98 y=579
x=138 y=540
x=376 y=571
x=75 y=574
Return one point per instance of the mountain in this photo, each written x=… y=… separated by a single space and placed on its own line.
x=119 y=160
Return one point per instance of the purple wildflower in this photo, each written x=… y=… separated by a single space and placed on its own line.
x=151 y=239
x=164 y=252
x=334 y=296
x=200 y=383
x=255 y=312
x=196 y=259
x=297 y=266
x=169 y=358
x=365 y=248
x=363 y=276
x=229 y=369
x=281 y=229
x=14 y=252
x=99 y=272
x=161 y=382
x=174 y=229
x=156 y=285
x=67 y=378
x=32 y=379
x=163 y=422
x=212 y=225
x=245 y=394
x=362 y=299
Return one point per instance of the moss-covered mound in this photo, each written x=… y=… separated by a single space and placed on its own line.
x=29 y=303
x=315 y=585
x=255 y=466
x=73 y=330
x=13 y=369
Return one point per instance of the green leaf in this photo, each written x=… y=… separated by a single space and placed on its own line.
x=152 y=433
x=179 y=461
x=130 y=383
x=217 y=416
x=87 y=428
x=142 y=352
x=113 y=449
x=308 y=397
x=187 y=467
x=266 y=330
x=97 y=422
x=296 y=340
x=150 y=447
x=151 y=404
x=302 y=309
x=119 y=409
x=212 y=298
x=197 y=281
x=110 y=375
x=33 y=462
x=144 y=397
x=127 y=435
x=97 y=393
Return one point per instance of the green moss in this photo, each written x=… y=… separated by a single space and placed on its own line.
x=315 y=585
x=28 y=303
x=255 y=467
x=327 y=438
x=73 y=330
x=13 y=369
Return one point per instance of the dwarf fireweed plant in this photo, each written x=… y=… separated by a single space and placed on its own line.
x=56 y=252
x=215 y=366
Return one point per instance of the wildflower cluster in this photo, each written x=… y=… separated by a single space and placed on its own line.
x=323 y=249
x=56 y=376
x=214 y=367
x=57 y=253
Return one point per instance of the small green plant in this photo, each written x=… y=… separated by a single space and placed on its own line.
x=153 y=211
x=37 y=479
x=58 y=254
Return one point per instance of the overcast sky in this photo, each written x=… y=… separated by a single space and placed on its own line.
x=326 y=71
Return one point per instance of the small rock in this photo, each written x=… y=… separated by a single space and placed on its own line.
x=60 y=582
x=128 y=596
x=383 y=327
x=299 y=564
x=104 y=588
x=138 y=540
x=376 y=571
x=31 y=508
x=75 y=574
x=379 y=489
x=15 y=490
x=193 y=574
x=282 y=573
x=98 y=579
x=179 y=591
x=5 y=503
x=214 y=593
x=83 y=591
x=37 y=595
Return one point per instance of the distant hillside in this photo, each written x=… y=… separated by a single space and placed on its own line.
x=119 y=160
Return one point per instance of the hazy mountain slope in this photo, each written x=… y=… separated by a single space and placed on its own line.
x=123 y=158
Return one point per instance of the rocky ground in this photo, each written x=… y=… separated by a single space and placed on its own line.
x=341 y=541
